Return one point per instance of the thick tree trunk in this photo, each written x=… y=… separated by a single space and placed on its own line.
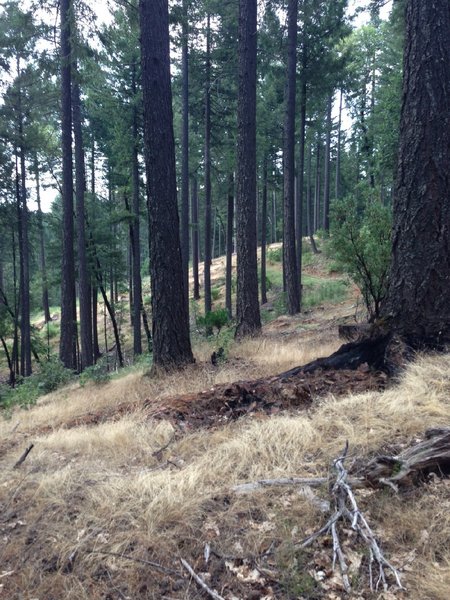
x=289 y=252
x=84 y=287
x=207 y=256
x=326 y=187
x=67 y=345
x=229 y=243
x=171 y=342
x=264 y=235
x=247 y=306
x=136 y=228
x=185 y=151
x=419 y=282
x=195 y=240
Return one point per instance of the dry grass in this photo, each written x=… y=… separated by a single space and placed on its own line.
x=102 y=487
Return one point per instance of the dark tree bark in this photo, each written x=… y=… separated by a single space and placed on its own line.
x=195 y=241
x=338 y=150
x=67 y=344
x=84 y=283
x=95 y=345
x=25 y=326
x=136 y=228
x=326 y=187
x=94 y=291
x=45 y=298
x=247 y=306
x=171 y=342
x=264 y=235
x=317 y=187
x=290 y=257
x=301 y=172
x=185 y=151
x=309 y=199
x=419 y=282
x=207 y=257
x=229 y=242
x=274 y=218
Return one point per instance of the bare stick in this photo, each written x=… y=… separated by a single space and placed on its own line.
x=200 y=581
x=149 y=563
x=244 y=488
x=23 y=457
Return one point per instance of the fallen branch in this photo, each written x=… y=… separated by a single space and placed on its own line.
x=347 y=510
x=23 y=457
x=414 y=463
x=149 y=563
x=200 y=581
x=244 y=488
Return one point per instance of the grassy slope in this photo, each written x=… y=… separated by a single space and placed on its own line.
x=105 y=487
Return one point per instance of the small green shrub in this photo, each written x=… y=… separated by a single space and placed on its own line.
x=97 y=374
x=215 y=318
x=51 y=330
x=215 y=293
x=275 y=255
x=50 y=375
x=361 y=243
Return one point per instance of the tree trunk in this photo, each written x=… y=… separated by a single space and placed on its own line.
x=25 y=326
x=207 y=257
x=419 y=282
x=264 y=235
x=94 y=291
x=185 y=152
x=229 y=260
x=84 y=288
x=95 y=346
x=309 y=198
x=195 y=241
x=247 y=306
x=136 y=227
x=326 y=187
x=67 y=345
x=338 y=150
x=45 y=299
x=317 y=188
x=289 y=252
x=171 y=342
x=301 y=173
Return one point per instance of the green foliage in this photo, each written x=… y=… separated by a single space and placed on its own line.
x=361 y=243
x=215 y=293
x=215 y=318
x=328 y=290
x=97 y=374
x=50 y=376
x=275 y=255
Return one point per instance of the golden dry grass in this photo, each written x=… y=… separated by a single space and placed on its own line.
x=102 y=487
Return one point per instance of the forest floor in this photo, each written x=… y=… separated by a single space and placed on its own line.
x=127 y=478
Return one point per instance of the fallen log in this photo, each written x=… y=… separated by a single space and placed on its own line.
x=416 y=463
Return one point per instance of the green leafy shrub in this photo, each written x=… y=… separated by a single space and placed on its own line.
x=97 y=374
x=275 y=255
x=50 y=375
x=215 y=293
x=361 y=244
x=215 y=318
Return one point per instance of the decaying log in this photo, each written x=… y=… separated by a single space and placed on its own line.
x=369 y=351
x=432 y=455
